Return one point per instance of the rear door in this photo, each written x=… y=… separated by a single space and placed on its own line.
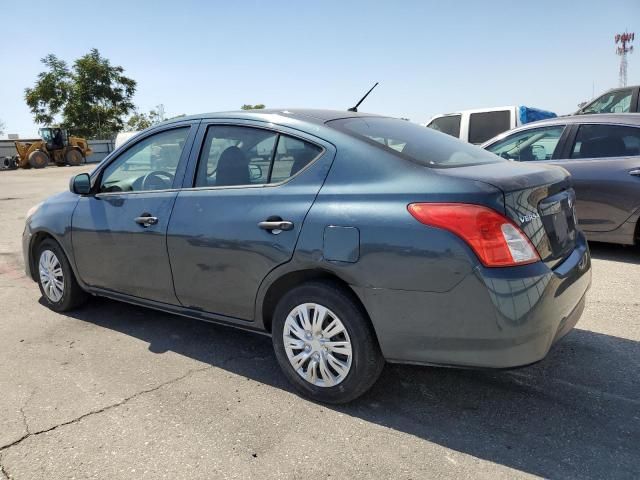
x=245 y=198
x=119 y=232
x=604 y=161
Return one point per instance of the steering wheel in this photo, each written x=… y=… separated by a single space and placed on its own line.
x=155 y=181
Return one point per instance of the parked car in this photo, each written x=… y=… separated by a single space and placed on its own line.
x=479 y=125
x=602 y=153
x=616 y=100
x=350 y=238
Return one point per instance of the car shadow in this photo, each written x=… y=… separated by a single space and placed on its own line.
x=615 y=253
x=574 y=415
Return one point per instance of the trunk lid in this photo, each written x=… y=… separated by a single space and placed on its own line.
x=538 y=198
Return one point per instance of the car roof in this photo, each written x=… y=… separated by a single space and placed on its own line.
x=318 y=116
x=606 y=118
x=626 y=118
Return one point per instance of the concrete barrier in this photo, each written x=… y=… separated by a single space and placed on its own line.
x=101 y=148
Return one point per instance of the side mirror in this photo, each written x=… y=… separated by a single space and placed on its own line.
x=80 y=184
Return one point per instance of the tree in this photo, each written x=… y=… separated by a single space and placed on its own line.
x=1 y=127
x=258 y=106
x=139 y=120
x=91 y=99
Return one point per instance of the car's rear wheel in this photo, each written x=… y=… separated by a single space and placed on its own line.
x=56 y=280
x=325 y=344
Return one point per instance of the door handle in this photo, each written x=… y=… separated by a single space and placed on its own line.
x=635 y=172
x=276 y=225
x=146 y=220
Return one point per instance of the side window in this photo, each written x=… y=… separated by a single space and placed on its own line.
x=449 y=124
x=618 y=101
x=292 y=156
x=598 y=141
x=530 y=145
x=486 y=125
x=150 y=164
x=235 y=155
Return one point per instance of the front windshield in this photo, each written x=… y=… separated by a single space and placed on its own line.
x=413 y=142
x=618 y=101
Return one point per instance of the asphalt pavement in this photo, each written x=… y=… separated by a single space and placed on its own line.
x=115 y=391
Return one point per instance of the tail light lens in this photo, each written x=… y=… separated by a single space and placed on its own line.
x=496 y=240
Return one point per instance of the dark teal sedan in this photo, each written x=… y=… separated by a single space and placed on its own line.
x=351 y=239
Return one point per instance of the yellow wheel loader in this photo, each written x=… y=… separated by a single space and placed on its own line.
x=55 y=145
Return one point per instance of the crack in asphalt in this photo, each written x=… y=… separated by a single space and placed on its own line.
x=29 y=434
x=100 y=410
x=24 y=420
x=3 y=473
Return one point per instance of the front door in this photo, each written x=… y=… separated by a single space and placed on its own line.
x=252 y=188
x=119 y=233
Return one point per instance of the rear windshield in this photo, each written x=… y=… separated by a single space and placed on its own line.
x=413 y=142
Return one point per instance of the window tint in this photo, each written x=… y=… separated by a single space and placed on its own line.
x=534 y=144
x=235 y=155
x=292 y=156
x=449 y=124
x=413 y=142
x=150 y=164
x=486 y=125
x=618 y=101
x=597 y=141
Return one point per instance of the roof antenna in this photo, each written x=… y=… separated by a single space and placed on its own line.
x=355 y=109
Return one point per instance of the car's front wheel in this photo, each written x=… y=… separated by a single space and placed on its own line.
x=325 y=344
x=56 y=280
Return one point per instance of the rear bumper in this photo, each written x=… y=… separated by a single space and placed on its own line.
x=494 y=318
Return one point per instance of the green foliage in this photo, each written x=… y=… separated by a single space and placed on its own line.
x=257 y=106
x=140 y=121
x=92 y=97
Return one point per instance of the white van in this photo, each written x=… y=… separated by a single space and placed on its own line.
x=479 y=125
x=122 y=137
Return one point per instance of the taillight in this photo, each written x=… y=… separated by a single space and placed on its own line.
x=496 y=240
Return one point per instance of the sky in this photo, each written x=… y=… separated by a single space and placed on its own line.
x=430 y=57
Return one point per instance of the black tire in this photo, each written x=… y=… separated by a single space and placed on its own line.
x=367 y=361
x=38 y=159
x=72 y=295
x=74 y=157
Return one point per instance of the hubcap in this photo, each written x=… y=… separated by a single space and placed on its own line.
x=51 y=275
x=317 y=345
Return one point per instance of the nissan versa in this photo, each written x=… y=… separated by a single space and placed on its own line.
x=351 y=239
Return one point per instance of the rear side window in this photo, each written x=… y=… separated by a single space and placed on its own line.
x=530 y=145
x=486 y=125
x=618 y=101
x=449 y=124
x=292 y=155
x=236 y=155
x=413 y=142
x=601 y=141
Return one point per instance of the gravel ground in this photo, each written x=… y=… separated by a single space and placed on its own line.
x=117 y=391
